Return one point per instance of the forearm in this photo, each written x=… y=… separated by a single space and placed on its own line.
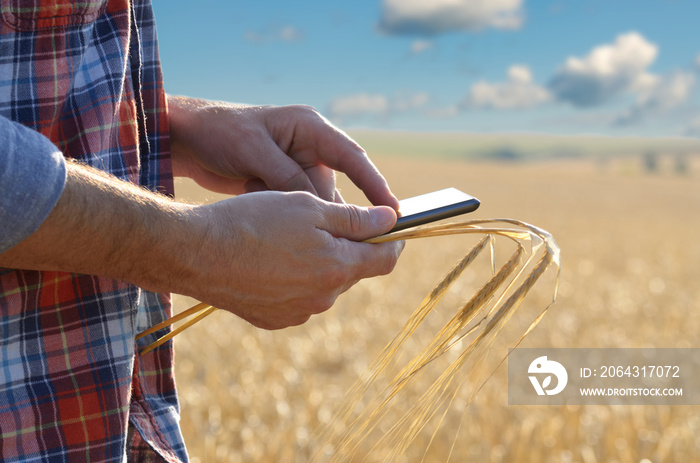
x=105 y=227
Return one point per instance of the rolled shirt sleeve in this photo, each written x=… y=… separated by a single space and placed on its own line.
x=32 y=177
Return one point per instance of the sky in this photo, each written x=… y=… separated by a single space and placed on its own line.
x=612 y=67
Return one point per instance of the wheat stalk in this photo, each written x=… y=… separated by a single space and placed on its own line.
x=483 y=316
x=347 y=438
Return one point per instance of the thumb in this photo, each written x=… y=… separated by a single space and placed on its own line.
x=358 y=223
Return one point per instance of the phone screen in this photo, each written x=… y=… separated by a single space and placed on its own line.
x=434 y=206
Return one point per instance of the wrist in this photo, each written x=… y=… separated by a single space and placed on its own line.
x=161 y=245
x=104 y=226
x=197 y=252
x=183 y=121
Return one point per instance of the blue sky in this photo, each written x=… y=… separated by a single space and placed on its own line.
x=616 y=67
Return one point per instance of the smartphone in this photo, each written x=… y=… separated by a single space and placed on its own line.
x=434 y=206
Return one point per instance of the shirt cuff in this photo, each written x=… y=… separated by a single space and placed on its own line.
x=32 y=177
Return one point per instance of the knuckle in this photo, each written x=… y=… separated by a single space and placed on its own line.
x=335 y=276
x=299 y=111
x=307 y=109
x=306 y=199
x=357 y=218
x=390 y=258
x=305 y=202
x=320 y=303
x=299 y=320
x=389 y=265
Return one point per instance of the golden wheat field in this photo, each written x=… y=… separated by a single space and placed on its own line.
x=630 y=277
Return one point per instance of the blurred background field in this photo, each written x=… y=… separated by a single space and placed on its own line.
x=625 y=213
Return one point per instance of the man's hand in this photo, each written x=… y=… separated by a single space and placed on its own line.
x=276 y=258
x=234 y=149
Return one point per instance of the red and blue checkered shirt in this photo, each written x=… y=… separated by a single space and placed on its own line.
x=86 y=76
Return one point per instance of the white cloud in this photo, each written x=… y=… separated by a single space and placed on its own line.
x=697 y=61
x=606 y=71
x=621 y=67
x=291 y=34
x=275 y=34
x=419 y=46
x=407 y=101
x=359 y=104
x=375 y=105
x=430 y=17
x=666 y=94
x=518 y=92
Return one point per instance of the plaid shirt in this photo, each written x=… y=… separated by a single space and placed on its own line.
x=86 y=75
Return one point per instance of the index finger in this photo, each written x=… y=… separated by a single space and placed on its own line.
x=340 y=152
x=279 y=171
x=354 y=162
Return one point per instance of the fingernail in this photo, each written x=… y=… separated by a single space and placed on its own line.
x=382 y=217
